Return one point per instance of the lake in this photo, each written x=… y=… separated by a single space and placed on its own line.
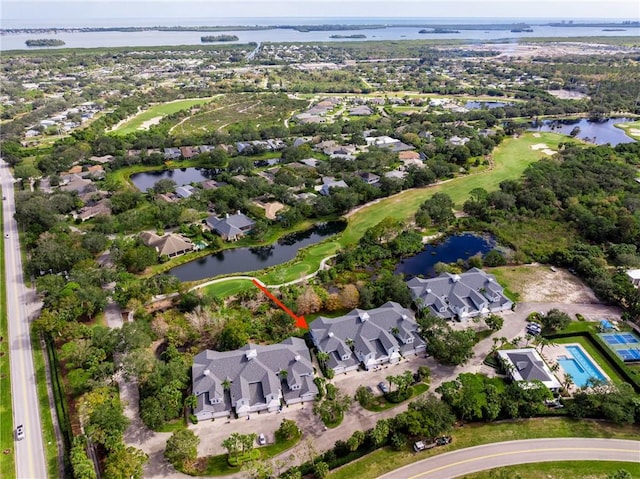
x=453 y=248
x=244 y=260
x=598 y=132
x=80 y=39
x=182 y=176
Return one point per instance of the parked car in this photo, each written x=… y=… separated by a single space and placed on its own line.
x=533 y=329
x=20 y=432
x=443 y=440
x=261 y=439
x=383 y=387
x=419 y=446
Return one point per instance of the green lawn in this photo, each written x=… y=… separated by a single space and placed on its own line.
x=385 y=460
x=559 y=470
x=7 y=463
x=155 y=111
x=632 y=129
x=381 y=403
x=219 y=465
x=511 y=158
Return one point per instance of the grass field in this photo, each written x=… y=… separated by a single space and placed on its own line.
x=559 y=470
x=240 y=111
x=632 y=129
x=156 y=111
x=511 y=158
x=48 y=434
x=7 y=461
x=385 y=460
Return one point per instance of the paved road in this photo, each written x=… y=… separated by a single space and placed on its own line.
x=29 y=453
x=489 y=456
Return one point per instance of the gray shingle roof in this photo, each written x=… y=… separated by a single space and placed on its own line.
x=371 y=332
x=475 y=290
x=232 y=225
x=252 y=371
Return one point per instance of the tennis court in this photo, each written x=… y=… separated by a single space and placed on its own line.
x=619 y=338
x=629 y=354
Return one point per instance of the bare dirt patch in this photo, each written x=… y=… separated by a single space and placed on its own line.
x=537 y=283
x=153 y=121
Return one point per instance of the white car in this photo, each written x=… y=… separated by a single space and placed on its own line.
x=20 y=432
x=261 y=439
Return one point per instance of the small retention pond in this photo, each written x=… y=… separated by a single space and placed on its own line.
x=182 y=176
x=598 y=132
x=243 y=260
x=453 y=248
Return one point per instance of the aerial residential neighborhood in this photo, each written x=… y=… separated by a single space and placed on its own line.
x=279 y=247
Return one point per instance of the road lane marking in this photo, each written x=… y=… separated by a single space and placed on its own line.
x=511 y=453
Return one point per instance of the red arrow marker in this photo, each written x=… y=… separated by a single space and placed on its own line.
x=300 y=321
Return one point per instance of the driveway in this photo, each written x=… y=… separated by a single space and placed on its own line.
x=489 y=456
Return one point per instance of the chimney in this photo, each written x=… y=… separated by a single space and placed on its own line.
x=206 y=372
x=226 y=215
x=297 y=357
x=251 y=353
x=364 y=316
x=330 y=334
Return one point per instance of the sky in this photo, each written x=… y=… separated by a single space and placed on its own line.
x=123 y=9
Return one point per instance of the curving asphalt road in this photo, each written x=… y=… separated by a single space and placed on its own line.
x=489 y=456
x=29 y=452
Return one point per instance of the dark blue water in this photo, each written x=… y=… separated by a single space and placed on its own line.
x=244 y=260
x=479 y=105
x=456 y=247
x=182 y=176
x=598 y=132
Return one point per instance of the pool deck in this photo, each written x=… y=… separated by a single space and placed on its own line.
x=550 y=354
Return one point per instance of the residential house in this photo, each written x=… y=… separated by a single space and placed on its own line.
x=172 y=153
x=634 y=276
x=188 y=152
x=170 y=244
x=457 y=141
x=75 y=183
x=369 y=178
x=185 y=191
x=361 y=110
x=328 y=183
x=378 y=336
x=231 y=227
x=395 y=174
x=466 y=295
x=408 y=155
x=88 y=212
x=526 y=365
x=251 y=379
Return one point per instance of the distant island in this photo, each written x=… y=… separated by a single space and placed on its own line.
x=439 y=30
x=520 y=30
x=219 y=38
x=614 y=29
x=44 y=42
x=355 y=35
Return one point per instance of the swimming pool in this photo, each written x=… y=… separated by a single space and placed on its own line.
x=579 y=366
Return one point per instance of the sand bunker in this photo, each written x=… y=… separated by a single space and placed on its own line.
x=153 y=121
x=544 y=148
x=537 y=135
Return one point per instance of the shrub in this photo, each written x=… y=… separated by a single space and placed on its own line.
x=193 y=418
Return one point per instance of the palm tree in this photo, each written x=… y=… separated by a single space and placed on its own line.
x=283 y=374
x=567 y=382
x=322 y=357
x=226 y=384
x=542 y=342
x=395 y=331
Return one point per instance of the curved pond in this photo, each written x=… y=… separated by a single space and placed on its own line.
x=243 y=260
x=479 y=105
x=598 y=132
x=462 y=246
x=182 y=176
